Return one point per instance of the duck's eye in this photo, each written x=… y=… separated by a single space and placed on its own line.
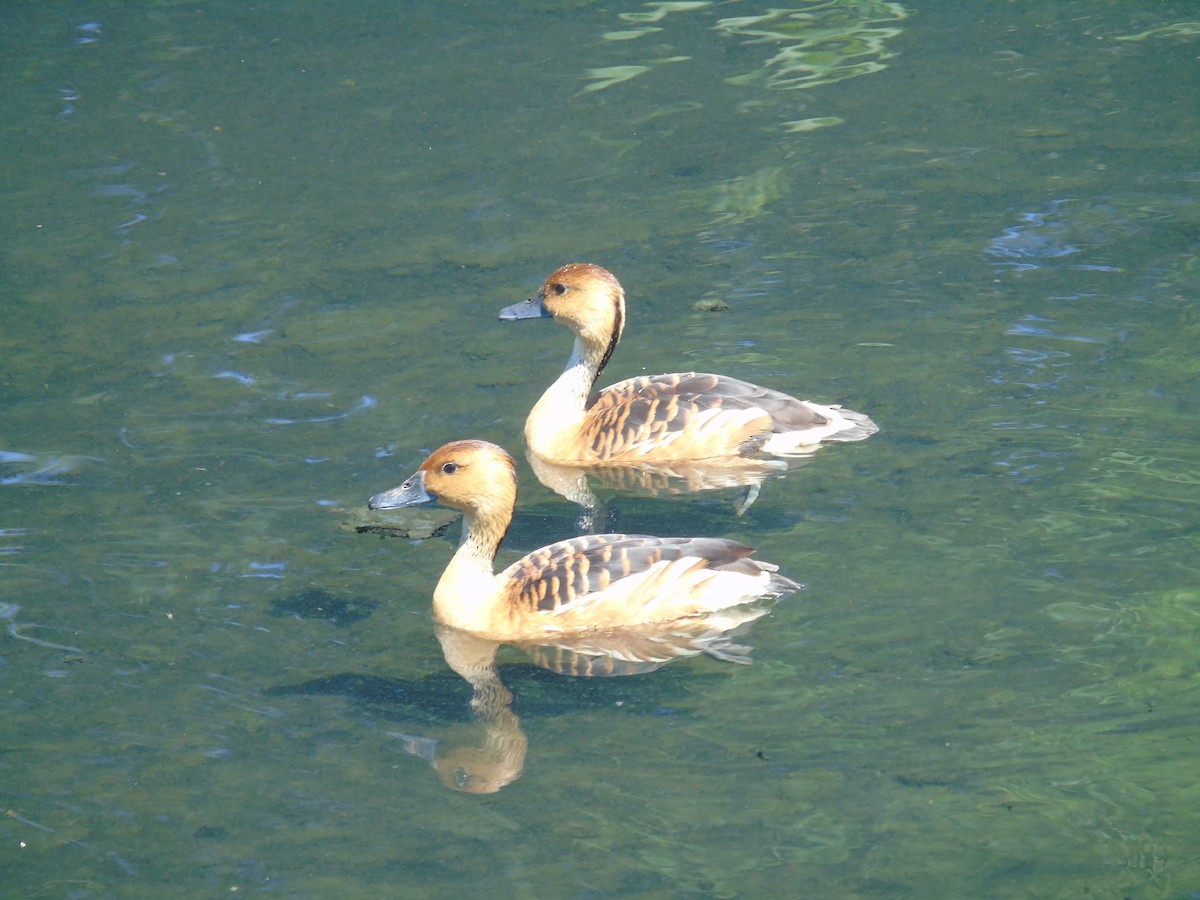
x=560 y=288
x=449 y=468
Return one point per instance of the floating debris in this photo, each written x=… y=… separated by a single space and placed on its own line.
x=414 y=524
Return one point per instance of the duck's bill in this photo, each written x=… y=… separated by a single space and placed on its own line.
x=526 y=309
x=410 y=493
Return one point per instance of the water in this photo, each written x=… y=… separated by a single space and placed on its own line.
x=252 y=261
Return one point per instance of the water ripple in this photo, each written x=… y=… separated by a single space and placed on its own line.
x=1057 y=232
x=50 y=468
x=364 y=402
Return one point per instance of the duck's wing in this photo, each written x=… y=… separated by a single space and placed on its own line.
x=660 y=408
x=655 y=411
x=616 y=581
x=559 y=575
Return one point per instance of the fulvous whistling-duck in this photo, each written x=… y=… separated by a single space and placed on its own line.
x=595 y=582
x=658 y=418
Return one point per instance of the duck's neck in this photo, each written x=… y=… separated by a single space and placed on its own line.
x=562 y=406
x=465 y=594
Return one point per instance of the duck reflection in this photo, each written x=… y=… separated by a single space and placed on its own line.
x=574 y=482
x=489 y=754
x=472 y=765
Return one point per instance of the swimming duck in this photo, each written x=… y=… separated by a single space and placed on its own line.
x=680 y=416
x=606 y=581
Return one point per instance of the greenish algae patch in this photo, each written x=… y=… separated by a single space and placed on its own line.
x=747 y=196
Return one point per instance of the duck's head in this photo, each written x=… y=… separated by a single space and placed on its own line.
x=586 y=298
x=474 y=476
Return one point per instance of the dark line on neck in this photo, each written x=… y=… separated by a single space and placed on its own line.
x=614 y=338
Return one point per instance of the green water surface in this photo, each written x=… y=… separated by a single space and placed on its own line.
x=251 y=257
